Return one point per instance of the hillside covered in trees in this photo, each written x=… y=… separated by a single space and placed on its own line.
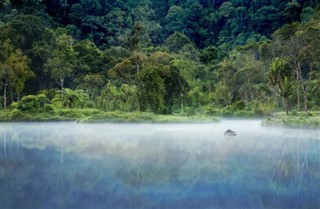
x=163 y=56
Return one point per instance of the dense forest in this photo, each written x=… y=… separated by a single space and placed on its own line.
x=163 y=56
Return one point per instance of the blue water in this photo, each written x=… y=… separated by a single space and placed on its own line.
x=70 y=165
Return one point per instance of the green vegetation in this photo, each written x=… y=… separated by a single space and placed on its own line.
x=91 y=115
x=297 y=120
x=138 y=58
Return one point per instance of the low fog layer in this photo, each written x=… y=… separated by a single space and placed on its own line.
x=159 y=165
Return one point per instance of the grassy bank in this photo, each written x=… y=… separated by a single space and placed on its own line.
x=92 y=115
x=295 y=120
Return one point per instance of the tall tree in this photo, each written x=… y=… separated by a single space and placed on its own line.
x=152 y=90
x=289 y=47
x=309 y=37
x=14 y=70
x=61 y=64
x=280 y=77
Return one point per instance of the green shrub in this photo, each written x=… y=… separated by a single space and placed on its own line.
x=72 y=99
x=16 y=114
x=301 y=120
x=244 y=114
x=32 y=103
x=190 y=111
x=48 y=108
x=14 y=105
x=210 y=110
x=264 y=109
x=238 y=105
x=70 y=113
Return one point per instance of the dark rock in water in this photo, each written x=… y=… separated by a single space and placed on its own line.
x=229 y=132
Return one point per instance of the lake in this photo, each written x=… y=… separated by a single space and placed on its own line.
x=71 y=165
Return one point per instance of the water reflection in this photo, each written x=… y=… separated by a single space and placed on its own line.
x=69 y=165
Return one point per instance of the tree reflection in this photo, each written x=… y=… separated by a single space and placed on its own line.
x=78 y=165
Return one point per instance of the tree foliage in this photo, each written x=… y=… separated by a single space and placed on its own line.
x=162 y=56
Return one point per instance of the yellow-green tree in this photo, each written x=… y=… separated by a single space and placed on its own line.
x=14 y=70
x=92 y=82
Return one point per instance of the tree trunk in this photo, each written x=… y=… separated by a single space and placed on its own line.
x=306 y=89
x=11 y=94
x=140 y=105
x=62 y=93
x=298 y=74
x=182 y=105
x=5 y=96
x=305 y=98
x=286 y=106
x=305 y=93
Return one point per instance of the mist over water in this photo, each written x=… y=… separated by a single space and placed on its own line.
x=70 y=165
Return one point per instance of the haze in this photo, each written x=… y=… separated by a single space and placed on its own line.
x=70 y=165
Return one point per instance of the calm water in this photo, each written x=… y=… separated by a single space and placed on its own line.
x=69 y=165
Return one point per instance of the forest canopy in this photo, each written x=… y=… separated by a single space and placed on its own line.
x=176 y=56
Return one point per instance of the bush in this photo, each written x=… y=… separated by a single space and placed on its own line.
x=263 y=109
x=72 y=99
x=302 y=120
x=70 y=113
x=32 y=103
x=48 y=108
x=244 y=114
x=16 y=114
x=14 y=105
x=190 y=111
x=238 y=105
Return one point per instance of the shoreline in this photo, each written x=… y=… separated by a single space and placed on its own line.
x=279 y=119
x=292 y=122
x=97 y=116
